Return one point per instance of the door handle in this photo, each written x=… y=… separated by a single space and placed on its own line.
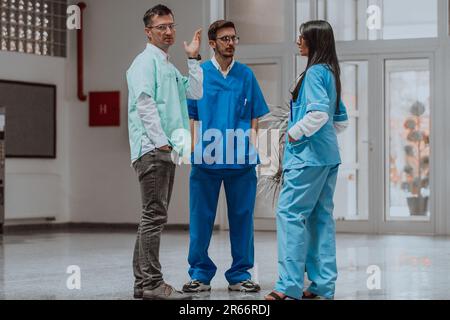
x=369 y=142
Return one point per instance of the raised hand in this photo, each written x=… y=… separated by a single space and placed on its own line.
x=193 y=49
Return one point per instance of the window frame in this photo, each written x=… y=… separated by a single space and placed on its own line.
x=33 y=41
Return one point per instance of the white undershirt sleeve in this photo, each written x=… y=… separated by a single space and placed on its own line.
x=309 y=125
x=148 y=112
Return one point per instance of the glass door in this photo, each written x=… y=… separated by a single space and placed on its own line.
x=408 y=106
x=385 y=180
x=352 y=190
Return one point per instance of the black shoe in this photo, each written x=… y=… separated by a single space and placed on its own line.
x=195 y=286
x=245 y=286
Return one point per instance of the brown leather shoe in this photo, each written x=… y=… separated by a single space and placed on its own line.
x=165 y=292
x=138 y=293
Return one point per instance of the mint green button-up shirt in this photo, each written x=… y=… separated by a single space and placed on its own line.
x=152 y=74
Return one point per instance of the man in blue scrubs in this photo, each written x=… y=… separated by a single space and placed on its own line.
x=225 y=120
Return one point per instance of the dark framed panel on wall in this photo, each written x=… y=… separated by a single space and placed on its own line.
x=30 y=130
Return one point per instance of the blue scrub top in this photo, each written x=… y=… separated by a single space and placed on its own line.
x=228 y=104
x=318 y=93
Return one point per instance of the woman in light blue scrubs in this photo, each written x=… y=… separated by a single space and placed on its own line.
x=305 y=224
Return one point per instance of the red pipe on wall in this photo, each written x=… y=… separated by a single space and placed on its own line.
x=80 y=61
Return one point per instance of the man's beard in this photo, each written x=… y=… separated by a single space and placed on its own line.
x=227 y=54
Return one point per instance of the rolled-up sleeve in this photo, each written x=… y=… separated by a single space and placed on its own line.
x=340 y=118
x=194 y=82
x=341 y=114
x=142 y=80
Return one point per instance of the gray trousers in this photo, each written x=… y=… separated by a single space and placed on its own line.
x=156 y=173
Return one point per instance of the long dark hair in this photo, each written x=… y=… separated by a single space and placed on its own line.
x=319 y=38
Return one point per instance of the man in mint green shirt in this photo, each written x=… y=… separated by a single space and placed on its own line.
x=158 y=124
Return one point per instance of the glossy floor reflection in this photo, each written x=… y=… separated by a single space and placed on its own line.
x=34 y=265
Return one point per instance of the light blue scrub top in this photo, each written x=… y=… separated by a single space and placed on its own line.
x=318 y=93
x=227 y=103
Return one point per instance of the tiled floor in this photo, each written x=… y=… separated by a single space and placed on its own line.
x=34 y=265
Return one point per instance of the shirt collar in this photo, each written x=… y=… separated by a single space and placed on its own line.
x=217 y=66
x=164 y=56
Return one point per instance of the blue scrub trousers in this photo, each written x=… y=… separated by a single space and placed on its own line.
x=240 y=190
x=306 y=232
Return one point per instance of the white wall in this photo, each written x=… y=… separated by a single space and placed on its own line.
x=91 y=180
x=103 y=186
x=38 y=188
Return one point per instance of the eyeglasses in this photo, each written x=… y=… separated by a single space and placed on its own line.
x=164 y=27
x=228 y=39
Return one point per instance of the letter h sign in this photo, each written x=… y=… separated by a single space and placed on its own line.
x=104 y=110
